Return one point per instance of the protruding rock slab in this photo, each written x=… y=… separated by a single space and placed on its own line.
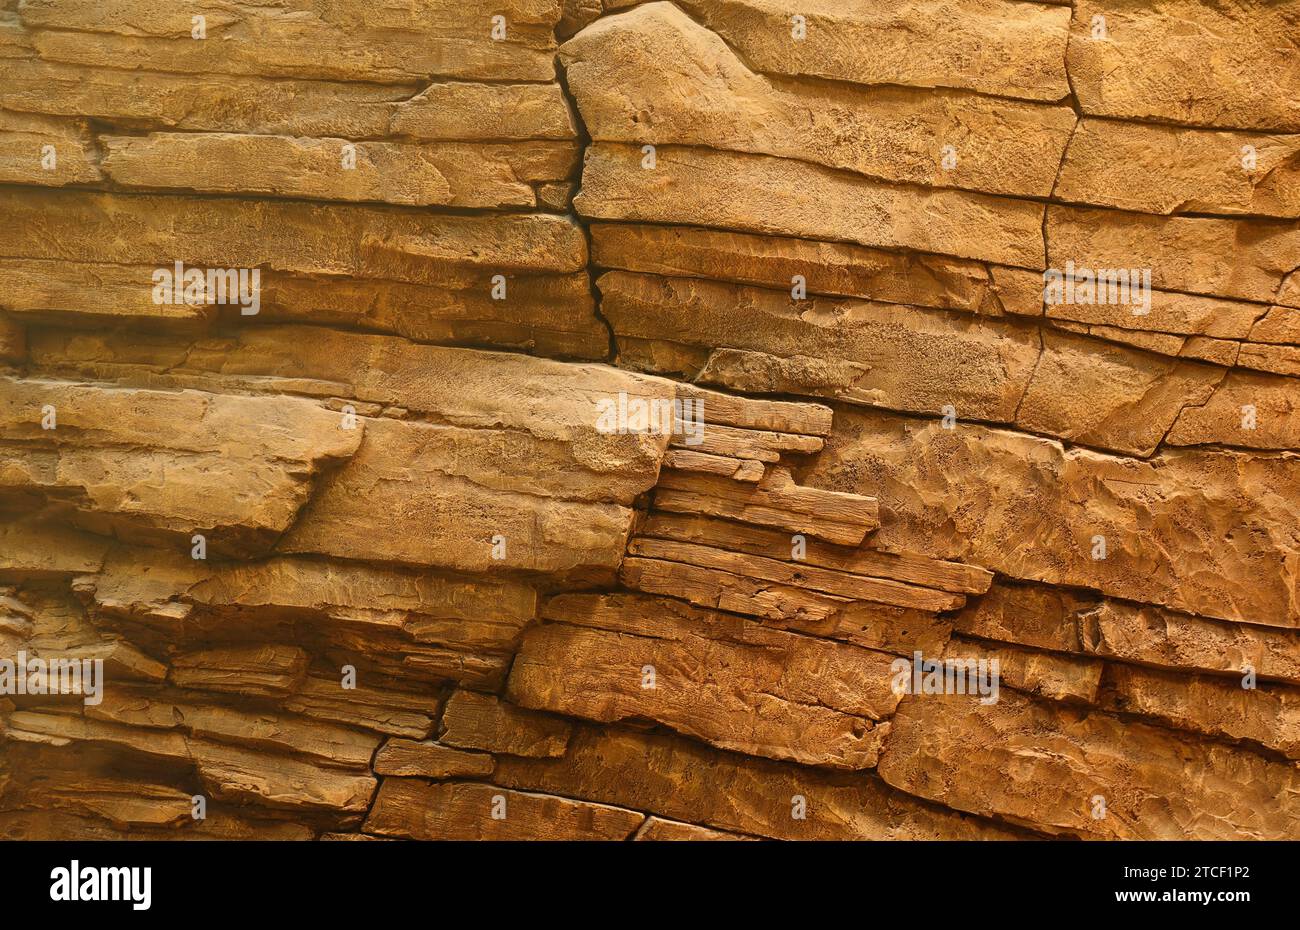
x=1152 y=636
x=450 y=174
x=1042 y=763
x=1108 y=396
x=348 y=41
x=618 y=68
x=429 y=760
x=1041 y=674
x=237 y=469
x=1214 y=65
x=675 y=777
x=470 y=811
x=1247 y=259
x=265 y=670
x=356 y=110
x=991 y=46
x=866 y=352
x=836 y=269
x=484 y=722
x=1223 y=708
x=326 y=239
x=732 y=683
x=1187 y=529
x=45 y=150
x=906 y=567
x=403 y=485
x=1164 y=169
x=775 y=500
x=1251 y=410
x=762 y=194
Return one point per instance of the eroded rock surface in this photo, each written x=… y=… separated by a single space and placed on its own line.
x=697 y=420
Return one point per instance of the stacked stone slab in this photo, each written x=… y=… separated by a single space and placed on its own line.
x=631 y=391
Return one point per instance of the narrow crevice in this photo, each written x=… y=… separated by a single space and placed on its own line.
x=584 y=142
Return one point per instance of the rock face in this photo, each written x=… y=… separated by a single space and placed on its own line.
x=697 y=420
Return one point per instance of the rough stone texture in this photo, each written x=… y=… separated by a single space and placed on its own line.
x=45 y=150
x=236 y=468
x=1180 y=61
x=483 y=722
x=829 y=268
x=673 y=777
x=993 y=46
x=618 y=68
x=1163 y=169
x=429 y=760
x=451 y=174
x=872 y=352
x=760 y=193
x=589 y=660
x=1055 y=760
x=1265 y=716
x=1060 y=678
x=654 y=421
x=1191 y=530
x=1248 y=259
x=324 y=40
x=455 y=811
x=1115 y=398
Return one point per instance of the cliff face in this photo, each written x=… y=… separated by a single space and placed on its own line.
x=649 y=421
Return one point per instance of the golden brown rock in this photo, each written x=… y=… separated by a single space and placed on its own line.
x=323 y=239
x=264 y=670
x=763 y=194
x=1110 y=397
x=13 y=340
x=617 y=69
x=1152 y=636
x=406 y=713
x=1152 y=783
x=1012 y=50
x=612 y=659
x=441 y=111
x=451 y=174
x=1251 y=410
x=1042 y=674
x=350 y=41
x=478 y=721
x=1212 y=65
x=660 y=830
x=42 y=150
x=1217 y=257
x=467 y=811
x=1162 y=169
x=868 y=352
x=215 y=444
x=429 y=760
x=676 y=778
x=1265 y=715
x=1183 y=530
x=649 y=420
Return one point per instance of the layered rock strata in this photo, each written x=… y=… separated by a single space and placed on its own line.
x=634 y=421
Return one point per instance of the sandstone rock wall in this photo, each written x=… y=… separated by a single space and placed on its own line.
x=366 y=535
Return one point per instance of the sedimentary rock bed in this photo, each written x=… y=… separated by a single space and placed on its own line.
x=712 y=419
